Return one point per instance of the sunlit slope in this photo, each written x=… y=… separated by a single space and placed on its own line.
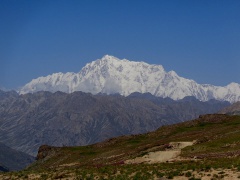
x=216 y=139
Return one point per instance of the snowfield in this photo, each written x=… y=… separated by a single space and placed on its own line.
x=111 y=75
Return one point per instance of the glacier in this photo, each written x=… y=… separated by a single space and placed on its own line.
x=112 y=75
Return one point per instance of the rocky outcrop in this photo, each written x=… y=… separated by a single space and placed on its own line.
x=46 y=151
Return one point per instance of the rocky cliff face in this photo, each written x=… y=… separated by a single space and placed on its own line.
x=46 y=151
x=58 y=119
x=111 y=75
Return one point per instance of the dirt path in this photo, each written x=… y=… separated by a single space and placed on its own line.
x=161 y=156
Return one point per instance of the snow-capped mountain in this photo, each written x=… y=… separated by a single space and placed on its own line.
x=112 y=75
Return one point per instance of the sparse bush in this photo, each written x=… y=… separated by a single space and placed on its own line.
x=120 y=177
x=193 y=178
x=44 y=176
x=170 y=176
x=160 y=174
x=25 y=176
x=137 y=176
x=207 y=167
x=238 y=168
x=222 y=176
x=188 y=174
x=90 y=177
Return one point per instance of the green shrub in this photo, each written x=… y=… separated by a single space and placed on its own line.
x=193 y=178
x=90 y=177
x=137 y=176
x=170 y=176
x=160 y=174
x=238 y=168
x=188 y=174
x=207 y=167
x=44 y=176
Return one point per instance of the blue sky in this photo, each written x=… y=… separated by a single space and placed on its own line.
x=199 y=40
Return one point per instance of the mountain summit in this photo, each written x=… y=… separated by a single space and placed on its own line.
x=111 y=75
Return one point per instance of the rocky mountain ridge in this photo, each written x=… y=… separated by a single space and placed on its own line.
x=30 y=120
x=234 y=109
x=12 y=160
x=112 y=75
